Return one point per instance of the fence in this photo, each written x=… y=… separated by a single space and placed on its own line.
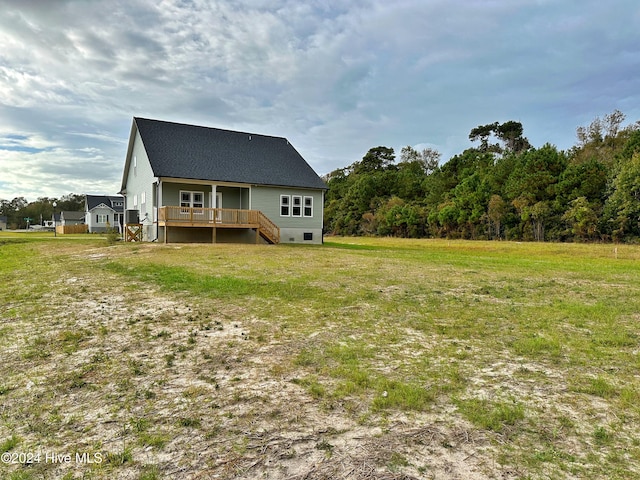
x=62 y=229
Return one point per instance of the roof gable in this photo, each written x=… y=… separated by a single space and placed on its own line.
x=202 y=153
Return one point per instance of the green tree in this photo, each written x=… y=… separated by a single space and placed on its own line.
x=536 y=174
x=471 y=197
x=540 y=214
x=603 y=139
x=376 y=159
x=587 y=180
x=622 y=209
x=427 y=160
x=482 y=133
x=496 y=212
x=447 y=215
x=581 y=219
x=509 y=133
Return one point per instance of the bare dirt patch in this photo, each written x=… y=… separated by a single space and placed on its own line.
x=154 y=382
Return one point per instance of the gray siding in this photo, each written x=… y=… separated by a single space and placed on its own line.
x=292 y=229
x=267 y=199
x=232 y=197
x=171 y=192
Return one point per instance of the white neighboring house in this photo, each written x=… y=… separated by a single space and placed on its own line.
x=103 y=212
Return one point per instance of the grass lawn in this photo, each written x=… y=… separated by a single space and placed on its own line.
x=362 y=358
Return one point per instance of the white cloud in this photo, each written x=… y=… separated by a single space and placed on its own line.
x=335 y=78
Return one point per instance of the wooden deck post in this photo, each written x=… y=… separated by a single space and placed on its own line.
x=214 y=236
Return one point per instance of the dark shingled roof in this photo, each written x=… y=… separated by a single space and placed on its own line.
x=202 y=153
x=69 y=215
x=94 y=200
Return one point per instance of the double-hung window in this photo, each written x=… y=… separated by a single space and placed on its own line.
x=308 y=206
x=296 y=210
x=285 y=205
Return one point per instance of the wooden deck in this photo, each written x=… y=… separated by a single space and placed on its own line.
x=219 y=218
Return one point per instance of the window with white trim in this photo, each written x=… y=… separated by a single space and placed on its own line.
x=296 y=208
x=143 y=203
x=101 y=218
x=285 y=205
x=197 y=200
x=191 y=200
x=308 y=206
x=135 y=202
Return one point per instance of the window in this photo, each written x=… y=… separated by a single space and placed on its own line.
x=135 y=202
x=296 y=211
x=197 y=202
x=191 y=200
x=143 y=203
x=100 y=218
x=308 y=206
x=135 y=165
x=185 y=201
x=284 y=205
x=307 y=236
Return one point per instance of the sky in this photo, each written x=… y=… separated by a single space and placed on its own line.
x=334 y=77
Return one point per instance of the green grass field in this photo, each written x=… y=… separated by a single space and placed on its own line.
x=362 y=358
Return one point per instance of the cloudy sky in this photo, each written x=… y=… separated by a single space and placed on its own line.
x=336 y=77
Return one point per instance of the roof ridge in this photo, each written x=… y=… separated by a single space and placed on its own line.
x=209 y=128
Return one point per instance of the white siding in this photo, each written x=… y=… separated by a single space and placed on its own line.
x=139 y=183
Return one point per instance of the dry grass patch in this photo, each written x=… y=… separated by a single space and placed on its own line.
x=364 y=358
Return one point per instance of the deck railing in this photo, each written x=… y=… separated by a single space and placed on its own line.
x=201 y=216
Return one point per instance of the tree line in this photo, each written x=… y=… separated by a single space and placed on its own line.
x=501 y=188
x=19 y=209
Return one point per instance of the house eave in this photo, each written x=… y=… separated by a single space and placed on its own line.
x=197 y=181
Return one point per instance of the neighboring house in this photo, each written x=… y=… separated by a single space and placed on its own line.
x=71 y=218
x=3 y=223
x=103 y=212
x=199 y=184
